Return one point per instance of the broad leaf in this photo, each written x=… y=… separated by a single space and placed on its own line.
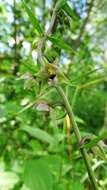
x=38 y=134
x=37 y=175
x=24 y=187
x=33 y=19
x=54 y=163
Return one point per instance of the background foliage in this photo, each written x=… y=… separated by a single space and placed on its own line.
x=37 y=146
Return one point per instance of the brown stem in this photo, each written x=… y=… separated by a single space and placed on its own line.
x=41 y=44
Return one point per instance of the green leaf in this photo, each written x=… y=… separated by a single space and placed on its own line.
x=96 y=140
x=51 y=54
x=24 y=187
x=37 y=175
x=54 y=163
x=79 y=120
x=70 y=12
x=60 y=4
x=33 y=19
x=3 y=139
x=38 y=134
x=99 y=151
x=76 y=184
x=9 y=110
x=59 y=42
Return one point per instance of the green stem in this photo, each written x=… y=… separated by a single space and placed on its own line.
x=78 y=137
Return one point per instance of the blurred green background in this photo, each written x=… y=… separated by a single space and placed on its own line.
x=34 y=128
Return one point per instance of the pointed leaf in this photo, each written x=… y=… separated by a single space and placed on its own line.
x=33 y=19
x=70 y=12
x=38 y=134
x=60 y=43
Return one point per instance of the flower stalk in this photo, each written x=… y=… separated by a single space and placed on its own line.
x=77 y=136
